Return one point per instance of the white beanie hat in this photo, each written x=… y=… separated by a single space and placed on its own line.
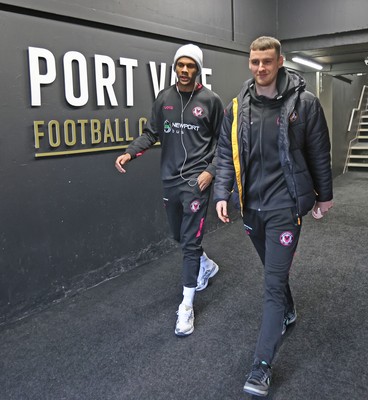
x=192 y=51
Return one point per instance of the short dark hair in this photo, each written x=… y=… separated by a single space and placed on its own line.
x=266 y=43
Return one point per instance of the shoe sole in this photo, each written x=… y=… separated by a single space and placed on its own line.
x=213 y=273
x=291 y=321
x=182 y=334
x=255 y=392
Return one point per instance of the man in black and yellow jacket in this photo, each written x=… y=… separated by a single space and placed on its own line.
x=274 y=148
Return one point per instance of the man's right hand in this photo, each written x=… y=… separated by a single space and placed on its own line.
x=221 y=208
x=122 y=160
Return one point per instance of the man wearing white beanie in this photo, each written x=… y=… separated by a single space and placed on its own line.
x=191 y=51
x=186 y=119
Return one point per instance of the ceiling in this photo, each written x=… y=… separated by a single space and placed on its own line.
x=339 y=55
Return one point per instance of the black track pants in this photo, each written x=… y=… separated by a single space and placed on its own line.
x=275 y=235
x=186 y=209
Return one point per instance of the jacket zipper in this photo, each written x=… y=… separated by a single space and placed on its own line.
x=261 y=157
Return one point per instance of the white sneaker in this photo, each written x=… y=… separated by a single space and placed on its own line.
x=185 y=322
x=207 y=270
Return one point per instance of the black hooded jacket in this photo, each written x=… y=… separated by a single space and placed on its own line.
x=275 y=152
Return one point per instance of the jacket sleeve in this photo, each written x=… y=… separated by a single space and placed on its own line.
x=216 y=118
x=318 y=150
x=148 y=138
x=225 y=172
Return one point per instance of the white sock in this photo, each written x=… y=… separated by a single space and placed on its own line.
x=188 y=296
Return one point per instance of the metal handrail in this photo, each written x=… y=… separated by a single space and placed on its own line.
x=357 y=109
x=348 y=154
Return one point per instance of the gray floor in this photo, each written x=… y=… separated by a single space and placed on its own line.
x=116 y=341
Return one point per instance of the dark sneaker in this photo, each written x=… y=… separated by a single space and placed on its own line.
x=289 y=319
x=185 y=322
x=259 y=379
x=207 y=270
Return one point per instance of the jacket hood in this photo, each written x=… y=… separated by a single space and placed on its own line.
x=288 y=82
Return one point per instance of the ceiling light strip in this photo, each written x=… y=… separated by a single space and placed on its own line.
x=307 y=62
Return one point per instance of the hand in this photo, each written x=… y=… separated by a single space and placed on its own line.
x=321 y=208
x=204 y=180
x=221 y=208
x=122 y=160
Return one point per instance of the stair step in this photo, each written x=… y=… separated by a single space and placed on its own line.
x=358 y=155
x=363 y=165
x=360 y=145
x=363 y=137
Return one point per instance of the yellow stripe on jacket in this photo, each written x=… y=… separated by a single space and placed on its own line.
x=235 y=148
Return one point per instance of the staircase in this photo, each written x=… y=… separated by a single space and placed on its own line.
x=357 y=156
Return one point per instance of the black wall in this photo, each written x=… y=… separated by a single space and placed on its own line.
x=69 y=220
